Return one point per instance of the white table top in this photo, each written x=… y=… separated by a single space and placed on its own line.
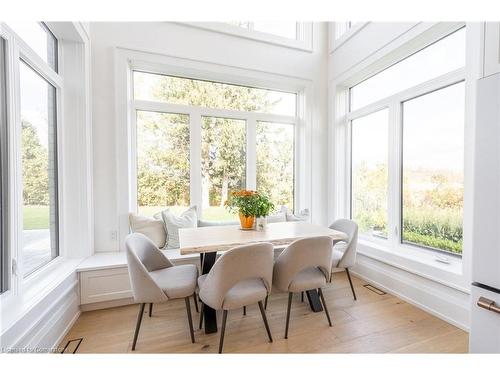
x=221 y=238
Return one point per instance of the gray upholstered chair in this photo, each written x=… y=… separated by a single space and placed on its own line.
x=154 y=279
x=304 y=265
x=240 y=277
x=344 y=253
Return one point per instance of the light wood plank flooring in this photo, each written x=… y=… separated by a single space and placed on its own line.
x=372 y=324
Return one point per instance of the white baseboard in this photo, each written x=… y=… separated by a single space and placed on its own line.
x=43 y=328
x=444 y=302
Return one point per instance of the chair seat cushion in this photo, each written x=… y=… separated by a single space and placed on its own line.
x=177 y=281
x=246 y=292
x=310 y=278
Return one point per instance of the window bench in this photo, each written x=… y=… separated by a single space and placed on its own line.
x=104 y=279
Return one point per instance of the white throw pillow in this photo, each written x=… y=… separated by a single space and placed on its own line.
x=301 y=216
x=153 y=229
x=188 y=219
x=278 y=217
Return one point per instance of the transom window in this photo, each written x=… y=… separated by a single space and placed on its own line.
x=444 y=56
x=341 y=28
x=197 y=141
x=407 y=149
x=38 y=37
x=286 y=29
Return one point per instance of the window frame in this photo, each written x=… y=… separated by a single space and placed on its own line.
x=56 y=239
x=4 y=172
x=303 y=41
x=379 y=240
x=17 y=52
x=401 y=177
x=196 y=113
x=394 y=104
x=294 y=160
x=335 y=41
x=127 y=60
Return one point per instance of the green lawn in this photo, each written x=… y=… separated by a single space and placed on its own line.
x=35 y=217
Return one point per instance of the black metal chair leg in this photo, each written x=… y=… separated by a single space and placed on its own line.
x=265 y=302
x=138 y=325
x=244 y=310
x=223 y=330
x=301 y=296
x=201 y=315
x=150 y=309
x=264 y=318
x=190 y=318
x=195 y=298
x=324 y=306
x=350 y=282
x=290 y=295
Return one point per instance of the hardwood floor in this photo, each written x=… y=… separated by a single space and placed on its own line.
x=372 y=324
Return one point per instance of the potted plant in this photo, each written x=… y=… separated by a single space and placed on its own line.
x=244 y=203
x=264 y=207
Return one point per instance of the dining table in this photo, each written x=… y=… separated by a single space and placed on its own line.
x=208 y=241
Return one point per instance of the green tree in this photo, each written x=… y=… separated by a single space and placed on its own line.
x=275 y=154
x=35 y=167
x=163 y=159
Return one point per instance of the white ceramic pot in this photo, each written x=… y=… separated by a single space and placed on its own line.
x=261 y=223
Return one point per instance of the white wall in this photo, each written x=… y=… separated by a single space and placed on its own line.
x=177 y=40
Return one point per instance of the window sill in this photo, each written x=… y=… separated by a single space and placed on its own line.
x=34 y=289
x=421 y=262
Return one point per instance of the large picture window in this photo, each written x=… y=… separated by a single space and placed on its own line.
x=39 y=169
x=369 y=173
x=275 y=162
x=162 y=162
x=433 y=176
x=223 y=164
x=415 y=181
x=197 y=141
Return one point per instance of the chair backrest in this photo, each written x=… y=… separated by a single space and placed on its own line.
x=143 y=257
x=238 y=264
x=300 y=255
x=350 y=228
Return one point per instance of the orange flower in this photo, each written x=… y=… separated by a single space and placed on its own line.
x=244 y=193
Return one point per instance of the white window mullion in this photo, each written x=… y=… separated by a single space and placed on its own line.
x=15 y=168
x=251 y=177
x=133 y=206
x=195 y=187
x=394 y=171
x=347 y=174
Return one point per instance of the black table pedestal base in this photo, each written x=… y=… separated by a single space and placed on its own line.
x=314 y=302
x=209 y=314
